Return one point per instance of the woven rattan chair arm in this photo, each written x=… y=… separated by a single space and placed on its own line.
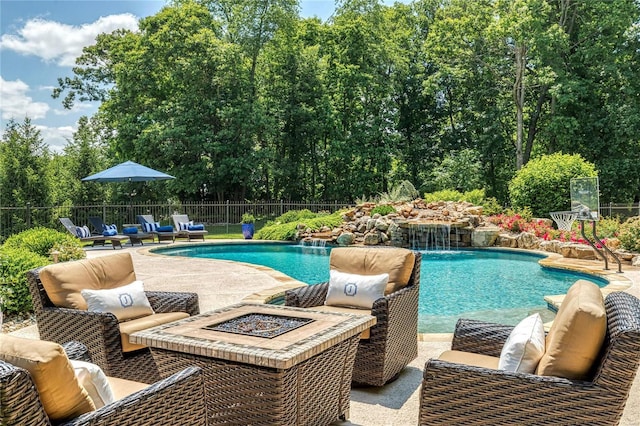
x=480 y=337
x=166 y=301
x=77 y=350
x=176 y=400
x=307 y=296
x=461 y=394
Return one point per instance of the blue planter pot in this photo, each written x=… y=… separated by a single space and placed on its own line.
x=247 y=230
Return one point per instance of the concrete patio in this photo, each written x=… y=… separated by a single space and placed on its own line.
x=220 y=283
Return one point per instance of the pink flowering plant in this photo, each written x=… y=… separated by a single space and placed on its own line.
x=522 y=222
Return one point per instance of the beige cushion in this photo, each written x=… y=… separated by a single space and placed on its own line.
x=353 y=311
x=577 y=333
x=64 y=281
x=353 y=290
x=470 y=358
x=60 y=392
x=125 y=302
x=127 y=328
x=397 y=262
x=123 y=387
x=524 y=347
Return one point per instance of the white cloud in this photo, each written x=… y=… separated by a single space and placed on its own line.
x=62 y=43
x=56 y=137
x=77 y=108
x=17 y=104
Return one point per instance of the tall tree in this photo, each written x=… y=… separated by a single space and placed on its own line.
x=24 y=158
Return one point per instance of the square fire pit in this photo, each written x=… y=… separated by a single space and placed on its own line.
x=260 y=325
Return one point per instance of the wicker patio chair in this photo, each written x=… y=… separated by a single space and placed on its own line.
x=174 y=400
x=462 y=394
x=100 y=331
x=392 y=342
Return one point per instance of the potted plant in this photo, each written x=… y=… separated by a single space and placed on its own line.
x=248 y=227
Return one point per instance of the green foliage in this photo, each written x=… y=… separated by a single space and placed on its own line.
x=543 y=184
x=293 y=216
x=383 y=209
x=443 y=195
x=461 y=170
x=404 y=191
x=490 y=207
x=608 y=227
x=286 y=231
x=630 y=234
x=247 y=218
x=42 y=241
x=14 y=290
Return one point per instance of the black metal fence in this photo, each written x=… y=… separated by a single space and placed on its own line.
x=17 y=219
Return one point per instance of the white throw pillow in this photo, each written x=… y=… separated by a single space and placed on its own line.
x=359 y=291
x=93 y=379
x=525 y=346
x=125 y=302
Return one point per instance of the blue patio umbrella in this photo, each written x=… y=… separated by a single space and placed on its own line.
x=128 y=172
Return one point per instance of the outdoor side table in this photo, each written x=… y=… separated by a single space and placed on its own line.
x=299 y=377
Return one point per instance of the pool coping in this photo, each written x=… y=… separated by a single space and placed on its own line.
x=615 y=281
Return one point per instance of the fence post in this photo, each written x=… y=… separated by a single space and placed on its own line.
x=227 y=218
x=28 y=215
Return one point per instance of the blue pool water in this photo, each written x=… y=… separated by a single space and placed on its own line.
x=490 y=285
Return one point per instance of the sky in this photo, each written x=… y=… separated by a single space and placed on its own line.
x=40 y=40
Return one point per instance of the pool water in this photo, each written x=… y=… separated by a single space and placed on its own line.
x=489 y=285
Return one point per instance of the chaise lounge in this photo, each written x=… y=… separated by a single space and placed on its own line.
x=187 y=229
x=84 y=234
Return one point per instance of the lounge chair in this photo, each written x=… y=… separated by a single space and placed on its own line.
x=151 y=226
x=391 y=344
x=187 y=229
x=84 y=234
x=136 y=237
x=40 y=386
x=62 y=312
x=466 y=386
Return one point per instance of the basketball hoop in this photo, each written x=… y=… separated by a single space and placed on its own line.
x=564 y=220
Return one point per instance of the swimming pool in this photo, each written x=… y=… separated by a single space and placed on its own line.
x=491 y=285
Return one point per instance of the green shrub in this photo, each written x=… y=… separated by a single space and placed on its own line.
x=248 y=218
x=543 y=184
x=383 y=209
x=43 y=241
x=287 y=231
x=444 y=195
x=607 y=227
x=475 y=197
x=630 y=234
x=293 y=216
x=490 y=207
x=14 y=290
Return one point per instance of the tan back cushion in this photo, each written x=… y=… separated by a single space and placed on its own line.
x=397 y=262
x=64 y=281
x=577 y=333
x=59 y=390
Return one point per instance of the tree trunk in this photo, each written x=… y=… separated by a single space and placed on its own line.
x=518 y=97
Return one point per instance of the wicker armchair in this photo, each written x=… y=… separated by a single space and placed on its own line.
x=392 y=344
x=174 y=400
x=100 y=331
x=461 y=394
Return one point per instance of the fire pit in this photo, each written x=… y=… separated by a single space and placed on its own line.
x=260 y=325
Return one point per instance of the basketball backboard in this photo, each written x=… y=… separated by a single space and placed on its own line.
x=585 y=198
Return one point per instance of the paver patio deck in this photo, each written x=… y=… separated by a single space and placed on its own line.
x=221 y=283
